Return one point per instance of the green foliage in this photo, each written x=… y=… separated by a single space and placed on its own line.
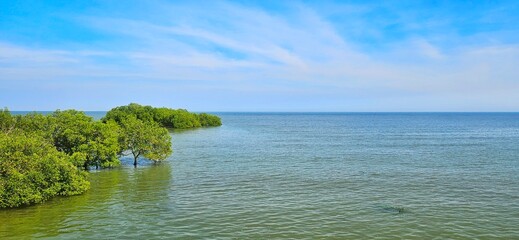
x=37 y=124
x=72 y=129
x=7 y=122
x=146 y=139
x=41 y=155
x=32 y=171
x=183 y=119
x=88 y=142
x=207 y=120
x=170 y=118
x=144 y=113
x=164 y=116
x=102 y=146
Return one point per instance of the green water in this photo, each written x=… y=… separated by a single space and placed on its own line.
x=342 y=176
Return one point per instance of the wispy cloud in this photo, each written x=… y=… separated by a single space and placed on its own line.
x=231 y=47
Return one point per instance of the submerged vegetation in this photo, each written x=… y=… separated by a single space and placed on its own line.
x=393 y=209
x=42 y=156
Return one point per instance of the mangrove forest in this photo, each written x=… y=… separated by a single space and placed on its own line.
x=47 y=155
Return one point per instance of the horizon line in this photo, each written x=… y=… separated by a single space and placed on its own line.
x=289 y=111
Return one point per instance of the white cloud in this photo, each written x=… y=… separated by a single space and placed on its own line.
x=257 y=50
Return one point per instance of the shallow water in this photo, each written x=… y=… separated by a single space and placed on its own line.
x=412 y=176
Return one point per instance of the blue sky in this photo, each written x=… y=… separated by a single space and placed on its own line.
x=261 y=55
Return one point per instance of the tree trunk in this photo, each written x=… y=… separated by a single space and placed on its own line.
x=135 y=156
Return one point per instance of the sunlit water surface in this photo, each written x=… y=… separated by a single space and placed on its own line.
x=267 y=176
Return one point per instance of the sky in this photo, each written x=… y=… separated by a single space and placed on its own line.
x=296 y=56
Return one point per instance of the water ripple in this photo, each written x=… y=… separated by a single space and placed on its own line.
x=339 y=176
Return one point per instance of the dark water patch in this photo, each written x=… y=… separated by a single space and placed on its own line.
x=392 y=209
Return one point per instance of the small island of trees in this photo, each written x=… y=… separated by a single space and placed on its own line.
x=42 y=156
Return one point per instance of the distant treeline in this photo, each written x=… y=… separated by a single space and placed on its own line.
x=167 y=117
x=42 y=156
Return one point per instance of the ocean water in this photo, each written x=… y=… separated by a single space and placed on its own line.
x=306 y=175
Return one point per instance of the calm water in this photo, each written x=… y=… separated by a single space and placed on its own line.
x=345 y=176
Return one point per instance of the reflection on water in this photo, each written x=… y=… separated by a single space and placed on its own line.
x=348 y=176
x=113 y=205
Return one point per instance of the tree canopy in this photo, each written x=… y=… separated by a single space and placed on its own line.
x=32 y=171
x=145 y=139
x=166 y=117
x=7 y=122
x=90 y=143
x=42 y=156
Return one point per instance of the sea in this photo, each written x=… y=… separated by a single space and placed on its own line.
x=303 y=176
